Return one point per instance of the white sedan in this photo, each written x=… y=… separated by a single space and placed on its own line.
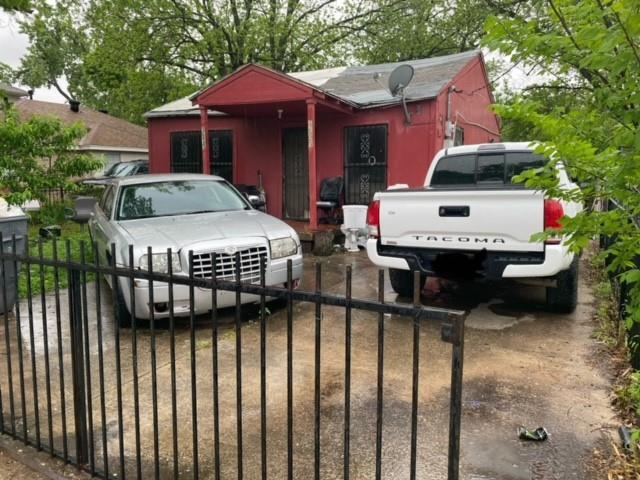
x=188 y=212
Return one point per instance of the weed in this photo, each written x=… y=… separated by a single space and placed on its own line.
x=72 y=233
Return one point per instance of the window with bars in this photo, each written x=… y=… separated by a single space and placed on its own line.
x=365 y=163
x=186 y=152
x=221 y=145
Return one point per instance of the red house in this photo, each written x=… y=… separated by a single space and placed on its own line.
x=294 y=130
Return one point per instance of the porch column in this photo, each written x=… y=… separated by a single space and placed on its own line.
x=204 y=133
x=311 y=134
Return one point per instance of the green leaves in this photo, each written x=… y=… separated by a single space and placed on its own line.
x=38 y=155
x=15 y=5
x=587 y=115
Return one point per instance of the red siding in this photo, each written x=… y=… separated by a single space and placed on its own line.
x=472 y=104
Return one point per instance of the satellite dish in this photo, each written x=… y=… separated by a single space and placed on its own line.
x=400 y=79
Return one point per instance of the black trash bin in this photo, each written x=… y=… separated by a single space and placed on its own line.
x=9 y=226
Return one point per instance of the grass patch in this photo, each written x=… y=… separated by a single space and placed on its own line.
x=629 y=394
x=71 y=233
x=609 y=331
x=618 y=464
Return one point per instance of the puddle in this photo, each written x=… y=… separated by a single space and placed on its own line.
x=485 y=317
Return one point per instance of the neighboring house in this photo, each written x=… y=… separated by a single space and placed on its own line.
x=293 y=130
x=11 y=93
x=114 y=139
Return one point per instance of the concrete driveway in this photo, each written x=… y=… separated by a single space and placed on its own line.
x=523 y=366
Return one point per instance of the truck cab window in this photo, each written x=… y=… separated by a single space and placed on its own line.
x=490 y=169
x=518 y=162
x=456 y=170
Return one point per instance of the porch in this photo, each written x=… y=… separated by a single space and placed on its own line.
x=319 y=240
x=279 y=119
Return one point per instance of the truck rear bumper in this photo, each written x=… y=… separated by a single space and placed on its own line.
x=493 y=265
x=556 y=259
x=383 y=260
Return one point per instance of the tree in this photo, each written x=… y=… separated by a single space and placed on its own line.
x=15 y=5
x=56 y=47
x=421 y=29
x=590 y=52
x=97 y=53
x=37 y=155
x=128 y=56
x=6 y=73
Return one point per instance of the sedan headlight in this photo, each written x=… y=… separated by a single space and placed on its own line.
x=283 y=247
x=159 y=262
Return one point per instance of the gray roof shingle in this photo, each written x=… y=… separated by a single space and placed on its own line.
x=11 y=90
x=103 y=130
x=357 y=86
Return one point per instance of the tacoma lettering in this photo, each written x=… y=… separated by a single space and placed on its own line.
x=435 y=238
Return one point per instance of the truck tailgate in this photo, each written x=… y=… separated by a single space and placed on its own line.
x=498 y=220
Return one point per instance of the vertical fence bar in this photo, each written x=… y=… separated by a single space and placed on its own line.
x=289 y=370
x=2 y=430
x=318 y=339
x=380 y=378
x=115 y=288
x=32 y=348
x=455 y=407
x=415 y=375
x=7 y=338
x=214 y=360
x=347 y=376
x=77 y=362
x=239 y=362
x=134 y=361
x=103 y=412
x=154 y=378
x=172 y=353
x=63 y=403
x=23 y=399
x=263 y=370
x=87 y=352
x=45 y=341
x=194 y=398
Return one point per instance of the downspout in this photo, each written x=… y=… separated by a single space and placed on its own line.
x=449 y=127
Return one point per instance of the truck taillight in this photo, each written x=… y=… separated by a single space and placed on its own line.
x=373 y=219
x=553 y=212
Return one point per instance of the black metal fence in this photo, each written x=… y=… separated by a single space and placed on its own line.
x=157 y=400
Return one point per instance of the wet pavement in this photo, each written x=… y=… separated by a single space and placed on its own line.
x=523 y=366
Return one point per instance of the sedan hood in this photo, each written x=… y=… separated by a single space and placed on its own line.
x=181 y=231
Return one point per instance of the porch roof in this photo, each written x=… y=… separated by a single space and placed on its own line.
x=352 y=86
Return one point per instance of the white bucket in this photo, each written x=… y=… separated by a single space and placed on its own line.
x=355 y=216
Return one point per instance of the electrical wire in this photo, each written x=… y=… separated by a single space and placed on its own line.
x=473 y=124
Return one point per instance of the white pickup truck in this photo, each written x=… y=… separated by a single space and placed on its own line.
x=470 y=220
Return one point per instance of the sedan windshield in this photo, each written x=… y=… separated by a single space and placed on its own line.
x=170 y=198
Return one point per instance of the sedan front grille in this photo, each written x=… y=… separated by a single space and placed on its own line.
x=250 y=259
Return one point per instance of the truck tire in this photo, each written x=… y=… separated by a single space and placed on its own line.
x=564 y=297
x=402 y=282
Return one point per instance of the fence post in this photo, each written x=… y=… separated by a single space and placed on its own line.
x=455 y=408
x=77 y=364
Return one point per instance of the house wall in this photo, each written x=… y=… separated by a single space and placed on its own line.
x=257 y=141
x=469 y=108
x=258 y=145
